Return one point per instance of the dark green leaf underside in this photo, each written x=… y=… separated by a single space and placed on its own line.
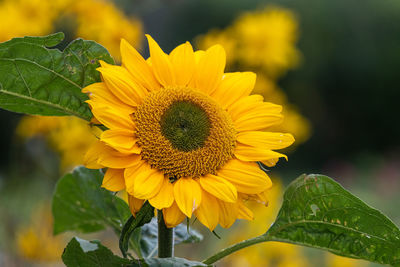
x=82 y=253
x=318 y=212
x=41 y=81
x=80 y=204
x=149 y=242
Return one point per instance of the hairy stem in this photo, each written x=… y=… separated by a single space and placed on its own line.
x=165 y=238
x=229 y=250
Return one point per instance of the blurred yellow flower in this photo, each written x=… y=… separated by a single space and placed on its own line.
x=333 y=260
x=35 y=242
x=108 y=32
x=25 y=17
x=69 y=136
x=270 y=253
x=267 y=39
x=263 y=39
x=34 y=17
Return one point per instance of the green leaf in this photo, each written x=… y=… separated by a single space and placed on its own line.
x=318 y=212
x=144 y=216
x=148 y=239
x=82 y=253
x=37 y=80
x=80 y=204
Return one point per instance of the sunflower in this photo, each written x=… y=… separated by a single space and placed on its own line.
x=183 y=135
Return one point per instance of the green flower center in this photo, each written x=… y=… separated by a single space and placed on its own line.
x=185 y=125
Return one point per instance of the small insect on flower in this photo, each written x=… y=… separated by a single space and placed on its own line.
x=183 y=135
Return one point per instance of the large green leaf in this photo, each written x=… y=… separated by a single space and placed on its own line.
x=80 y=204
x=82 y=253
x=148 y=239
x=37 y=80
x=318 y=212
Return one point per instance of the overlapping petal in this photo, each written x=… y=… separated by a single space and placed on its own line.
x=165 y=197
x=160 y=64
x=173 y=215
x=233 y=87
x=183 y=63
x=121 y=139
x=114 y=180
x=147 y=182
x=135 y=204
x=228 y=213
x=267 y=140
x=120 y=82
x=209 y=69
x=208 y=212
x=138 y=67
x=187 y=194
x=219 y=187
x=245 y=176
x=251 y=153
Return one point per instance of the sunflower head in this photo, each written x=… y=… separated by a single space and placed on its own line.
x=183 y=135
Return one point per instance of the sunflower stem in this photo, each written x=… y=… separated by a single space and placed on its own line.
x=165 y=238
x=229 y=250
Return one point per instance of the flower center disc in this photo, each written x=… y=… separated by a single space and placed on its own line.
x=184 y=133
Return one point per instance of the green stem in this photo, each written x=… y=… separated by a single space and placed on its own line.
x=229 y=250
x=165 y=238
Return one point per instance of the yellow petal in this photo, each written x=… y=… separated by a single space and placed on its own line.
x=228 y=213
x=165 y=196
x=187 y=193
x=111 y=118
x=198 y=55
x=114 y=180
x=173 y=216
x=183 y=63
x=121 y=84
x=270 y=162
x=147 y=183
x=120 y=139
x=160 y=63
x=267 y=140
x=131 y=173
x=208 y=211
x=111 y=158
x=256 y=117
x=244 y=212
x=233 y=87
x=138 y=67
x=250 y=153
x=100 y=92
x=135 y=204
x=92 y=156
x=245 y=176
x=209 y=70
x=219 y=187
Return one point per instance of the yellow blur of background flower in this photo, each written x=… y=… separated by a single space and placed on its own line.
x=35 y=241
x=70 y=137
x=98 y=20
x=264 y=41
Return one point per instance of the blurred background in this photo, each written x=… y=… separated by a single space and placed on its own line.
x=333 y=65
